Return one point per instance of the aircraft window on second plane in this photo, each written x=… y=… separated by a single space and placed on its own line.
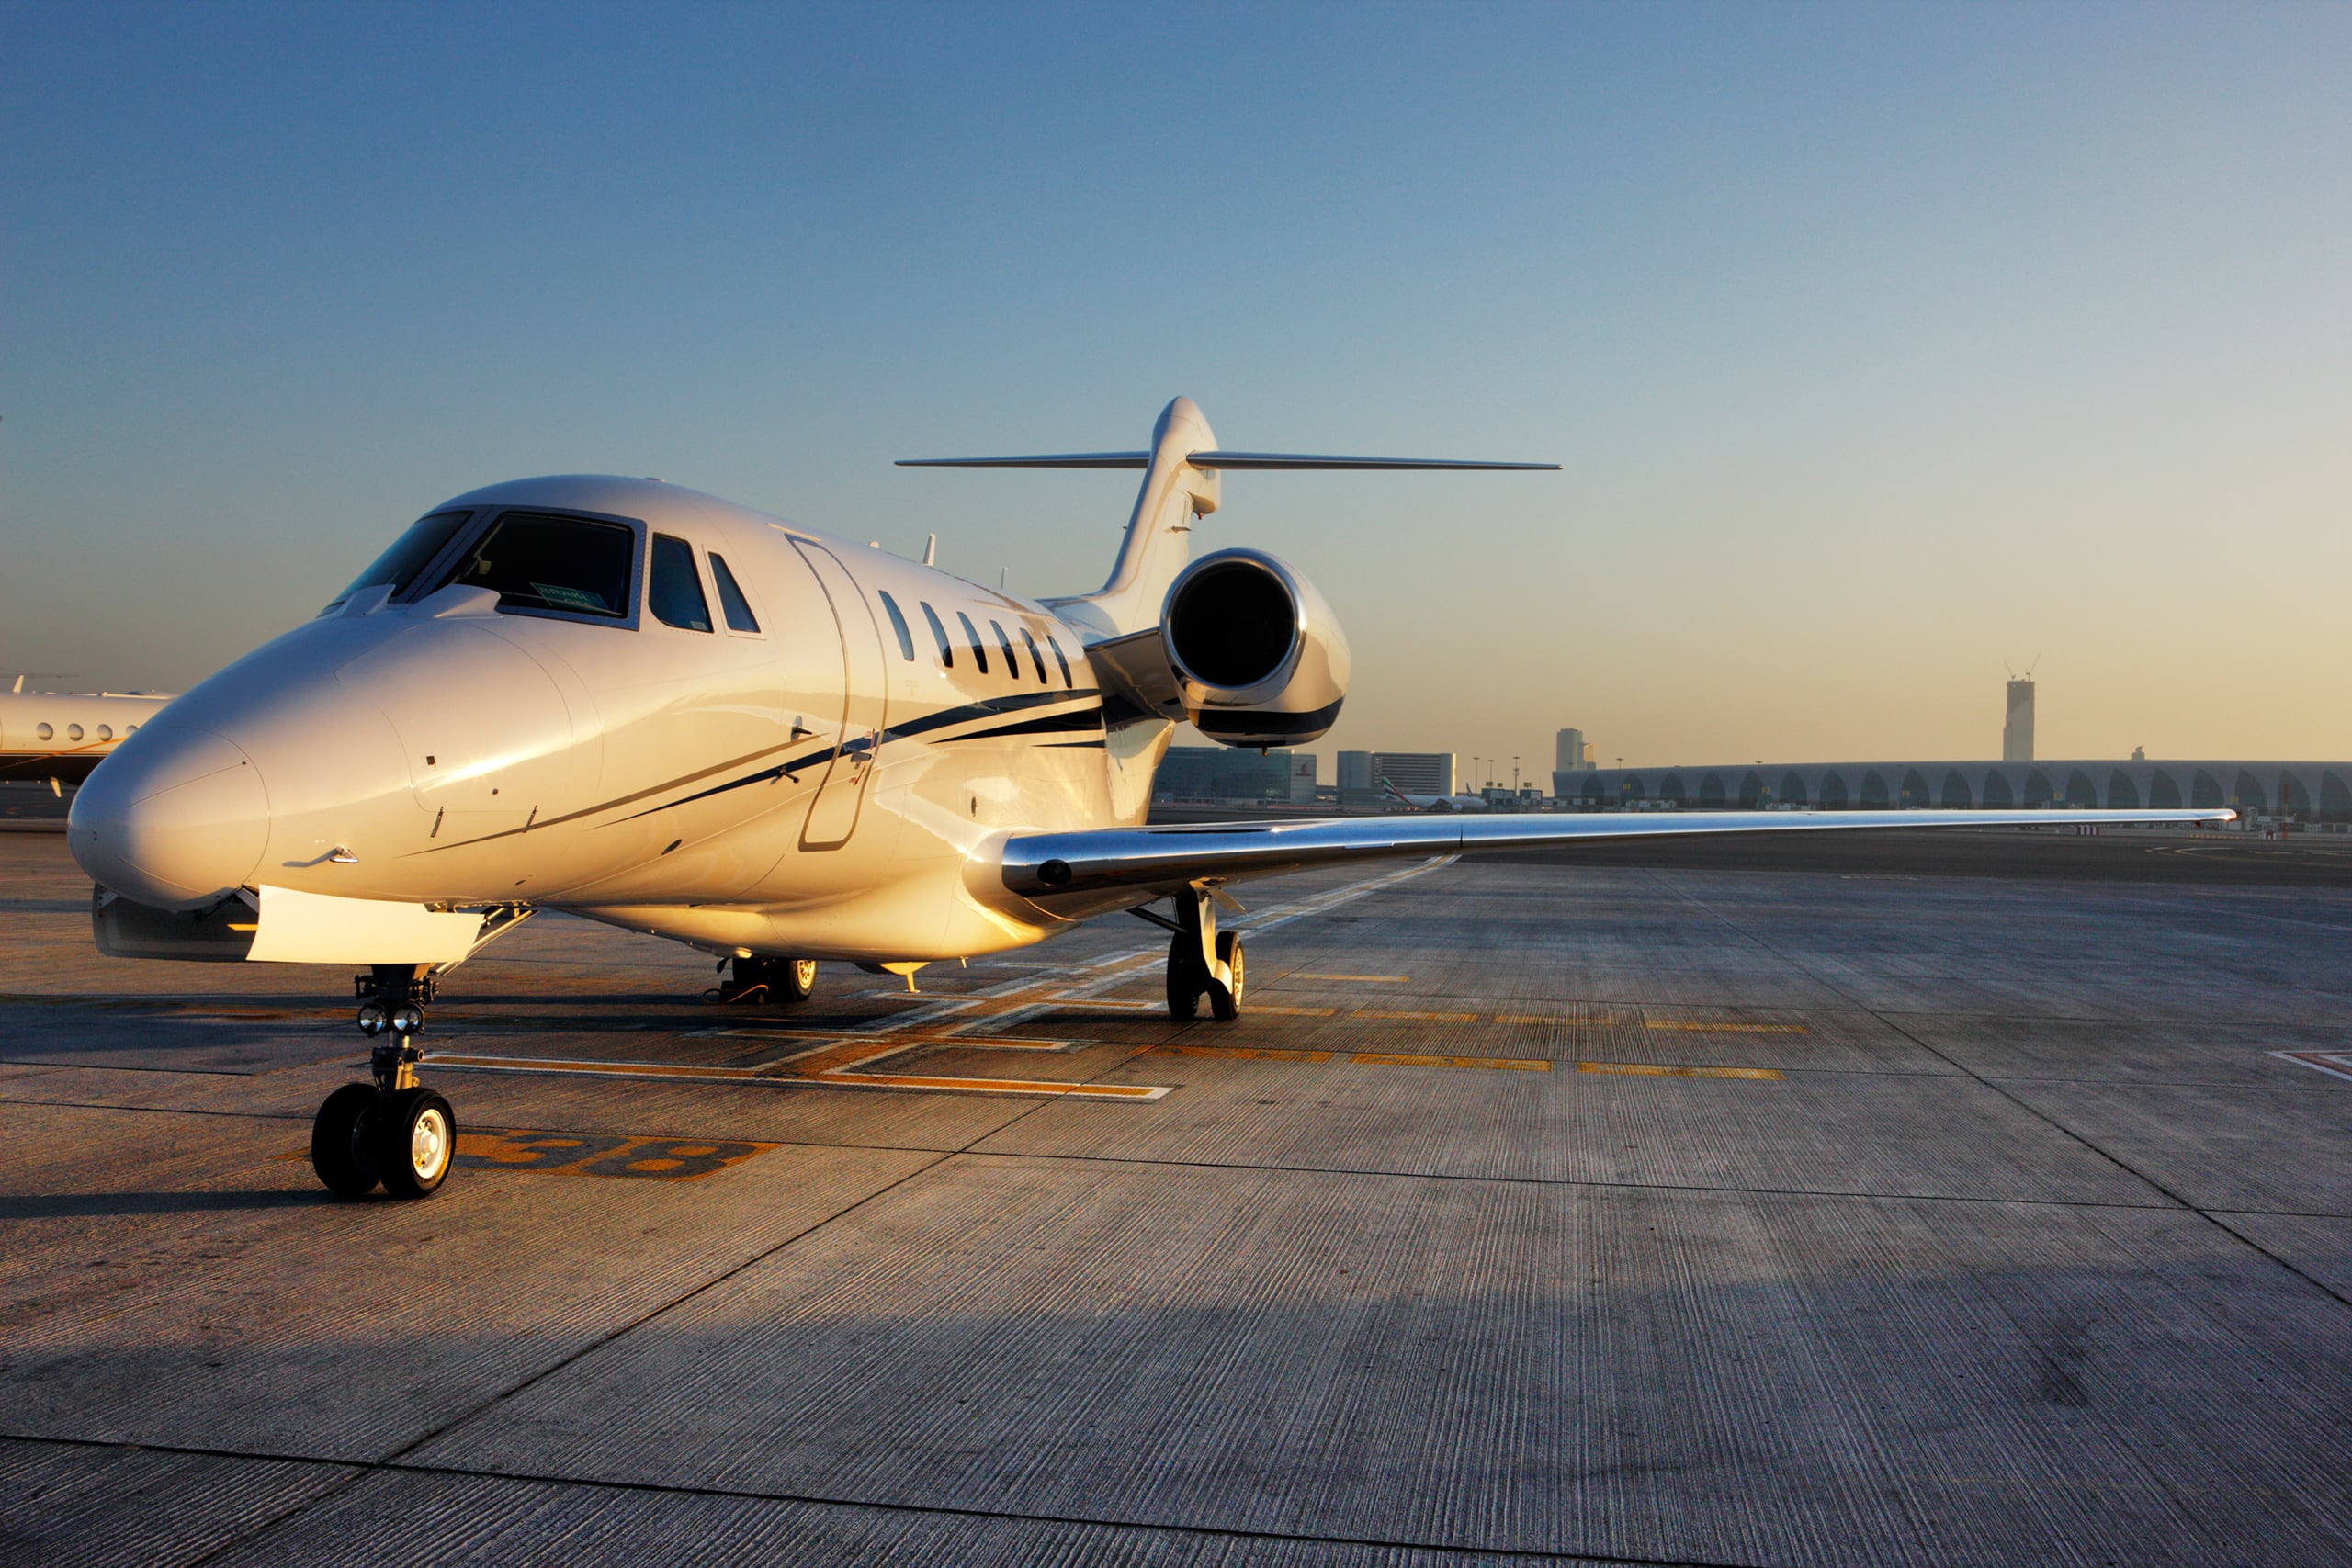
x=972 y=635
x=47 y=732
x=1011 y=660
x=946 y=652
x=537 y=560
x=898 y=625
x=738 y=609
x=675 y=593
x=1036 y=657
x=1060 y=659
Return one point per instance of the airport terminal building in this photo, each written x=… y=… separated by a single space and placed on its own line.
x=2313 y=792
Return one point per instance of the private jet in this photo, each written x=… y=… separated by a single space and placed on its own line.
x=59 y=737
x=642 y=705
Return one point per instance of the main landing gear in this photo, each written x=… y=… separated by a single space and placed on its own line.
x=1202 y=958
x=393 y=1131
x=754 y=980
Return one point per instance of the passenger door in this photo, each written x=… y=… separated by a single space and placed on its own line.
x=833 y=812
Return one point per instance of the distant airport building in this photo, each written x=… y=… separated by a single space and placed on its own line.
x=1355 y=771
x=1571 y=759
x=1415 y=773
x=1234 y=774
x=1302 y=778
x=2314 y=792
x=2016 y=730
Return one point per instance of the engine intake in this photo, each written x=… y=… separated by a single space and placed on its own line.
x=1256 y=656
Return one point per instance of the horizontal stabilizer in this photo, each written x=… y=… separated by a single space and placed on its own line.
x=1254 y=460
x=1045 y=460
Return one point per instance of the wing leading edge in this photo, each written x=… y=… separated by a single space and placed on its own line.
x=1099 y=866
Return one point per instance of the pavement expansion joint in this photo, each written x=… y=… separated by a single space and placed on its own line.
x=398 y=1465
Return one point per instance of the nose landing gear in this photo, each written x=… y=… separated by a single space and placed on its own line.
x=393 y=1131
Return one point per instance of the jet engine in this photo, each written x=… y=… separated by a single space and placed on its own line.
x=1245 y=648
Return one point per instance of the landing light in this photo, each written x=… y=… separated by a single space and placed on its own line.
x=372 y=1019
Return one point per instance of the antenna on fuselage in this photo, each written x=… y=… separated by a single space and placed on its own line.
x=931 y=551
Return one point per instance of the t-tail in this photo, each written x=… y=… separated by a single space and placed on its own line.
x=1180 y=485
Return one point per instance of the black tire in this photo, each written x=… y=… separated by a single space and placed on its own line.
x=1185 y=981
x=1225 y=1002
x=333 y=1154
x=412 y=1140
x=791 y=980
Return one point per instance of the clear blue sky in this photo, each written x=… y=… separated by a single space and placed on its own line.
x=1882 y=343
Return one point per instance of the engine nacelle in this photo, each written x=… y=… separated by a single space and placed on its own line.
x=1246 y=649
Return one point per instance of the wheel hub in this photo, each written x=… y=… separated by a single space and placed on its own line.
x=428 y=1145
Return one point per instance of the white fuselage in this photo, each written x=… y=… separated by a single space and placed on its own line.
x=805 y=788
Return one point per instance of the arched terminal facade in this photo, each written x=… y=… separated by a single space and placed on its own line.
x=2311 y=791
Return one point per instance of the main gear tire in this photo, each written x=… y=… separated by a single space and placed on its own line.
x=1186 y=979
x=791 y=980
x=1225 y=999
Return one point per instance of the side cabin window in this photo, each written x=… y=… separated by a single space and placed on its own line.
x=1012 y=660
x=946 y=653
x=397 y=568
x=675 y=593
x=1035 y=657
x=972 y=635
x=537 y=560
x=1059 y=657
x=898 y=625
x=731 y=603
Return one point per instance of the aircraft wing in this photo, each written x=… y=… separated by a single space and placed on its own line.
x=1105 y=868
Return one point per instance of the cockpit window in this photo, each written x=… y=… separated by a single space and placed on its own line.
x=536 y=560
x=1060 y=657
x=397 y=568
x=1011 y=660
x=674 y=595
x=1035 y=657
x=731 y=597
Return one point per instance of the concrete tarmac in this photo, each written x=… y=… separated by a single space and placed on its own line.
x=1532 y=1212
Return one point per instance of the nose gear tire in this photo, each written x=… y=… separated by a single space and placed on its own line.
x=410 y=1138
x=334 y=1153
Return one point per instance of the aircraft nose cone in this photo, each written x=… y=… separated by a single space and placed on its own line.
x=173 y=825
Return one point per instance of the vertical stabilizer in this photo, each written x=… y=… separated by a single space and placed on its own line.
x=1159 y=532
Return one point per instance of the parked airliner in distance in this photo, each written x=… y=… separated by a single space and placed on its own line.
x=645 y=705
x=1433 y=801
x=57 y=738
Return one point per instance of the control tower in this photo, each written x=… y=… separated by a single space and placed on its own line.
x=2016 y=731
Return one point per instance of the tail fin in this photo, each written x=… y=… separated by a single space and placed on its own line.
x=1158 y=541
